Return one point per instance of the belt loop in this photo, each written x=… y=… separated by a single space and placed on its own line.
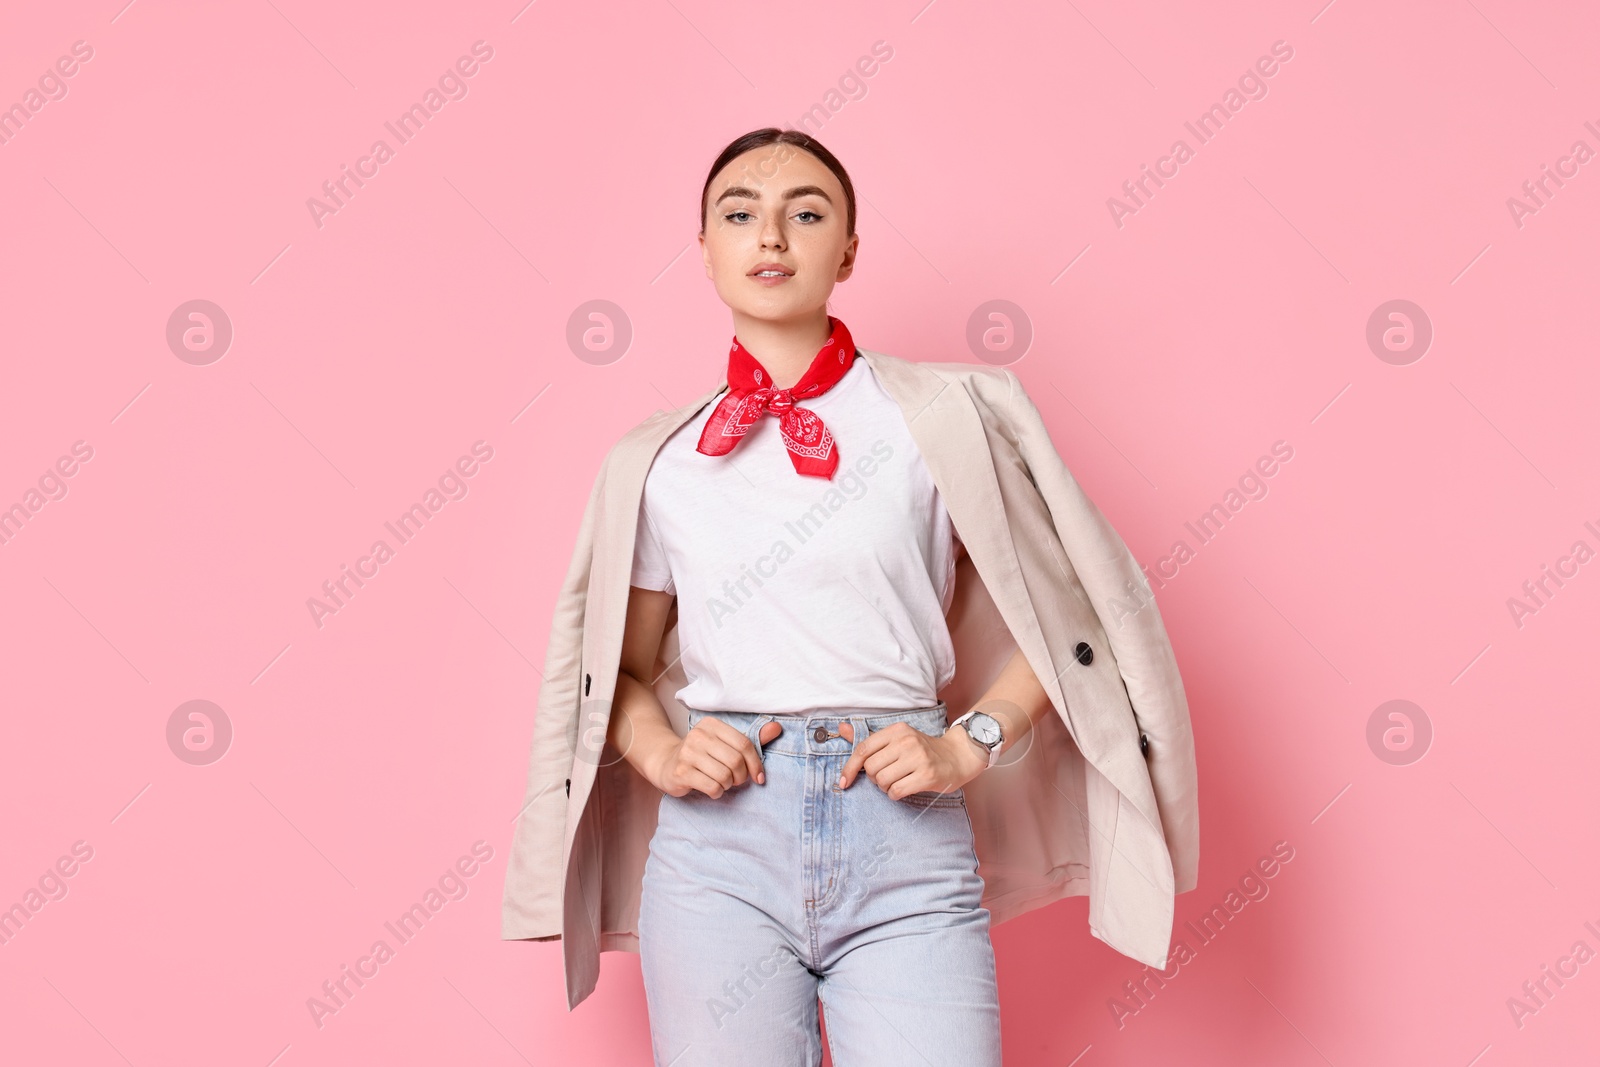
x=858 y=725
x=754 y=732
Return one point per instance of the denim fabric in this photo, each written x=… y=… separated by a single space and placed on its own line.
x=757 y=902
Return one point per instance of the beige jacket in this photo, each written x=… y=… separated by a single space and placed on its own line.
x=1103 y=798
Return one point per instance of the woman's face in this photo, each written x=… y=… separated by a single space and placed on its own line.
x=776 y=207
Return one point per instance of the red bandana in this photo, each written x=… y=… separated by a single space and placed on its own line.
x=750 y=395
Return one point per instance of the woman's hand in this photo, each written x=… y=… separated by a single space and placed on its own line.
x=903 y=760
x=712 y=757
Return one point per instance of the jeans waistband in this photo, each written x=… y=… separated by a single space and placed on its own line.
x=816 y=733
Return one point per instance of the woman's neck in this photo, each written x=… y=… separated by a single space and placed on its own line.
x=785 y=348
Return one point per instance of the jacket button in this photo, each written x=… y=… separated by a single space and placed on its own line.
x=586 y=685
x=1144 y=742
x=1084 y=653
x=820 y=733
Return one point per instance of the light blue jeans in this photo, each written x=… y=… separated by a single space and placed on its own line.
x=757 y=902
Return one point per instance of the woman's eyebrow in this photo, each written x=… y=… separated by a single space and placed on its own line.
x=743 y=192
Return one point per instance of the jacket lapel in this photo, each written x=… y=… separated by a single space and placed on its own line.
x=950 y=434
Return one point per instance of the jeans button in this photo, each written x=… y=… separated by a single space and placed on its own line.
x=821 y=733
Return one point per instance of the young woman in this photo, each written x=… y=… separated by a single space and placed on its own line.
x=812 y=839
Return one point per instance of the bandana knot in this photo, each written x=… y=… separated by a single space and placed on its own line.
x=810 y=444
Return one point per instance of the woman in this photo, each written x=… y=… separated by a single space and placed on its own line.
x=812 y=838
x=741 y=764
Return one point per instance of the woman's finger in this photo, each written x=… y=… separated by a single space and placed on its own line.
x=896 y=771
x=748 y=755
x=697 y=779
x=859 y=755
x=727 y=755
x=766 y=735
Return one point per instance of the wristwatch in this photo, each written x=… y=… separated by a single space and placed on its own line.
x=985 y=730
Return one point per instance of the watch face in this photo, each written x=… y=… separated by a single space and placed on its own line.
x=984 y=729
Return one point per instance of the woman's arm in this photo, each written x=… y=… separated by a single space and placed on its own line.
x=712 y=758
x=639 y=727
x=1016 y=698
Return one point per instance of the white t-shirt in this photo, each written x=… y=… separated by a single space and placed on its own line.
x=797 y=593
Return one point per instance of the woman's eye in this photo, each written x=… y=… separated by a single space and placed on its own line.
x=808 y=211
x=734 y=216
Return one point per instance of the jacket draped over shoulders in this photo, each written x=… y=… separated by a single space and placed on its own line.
x=1101 y=798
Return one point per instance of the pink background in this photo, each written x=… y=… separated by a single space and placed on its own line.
x=1230 y=312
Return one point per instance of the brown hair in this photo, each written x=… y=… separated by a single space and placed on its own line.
x=803 y=141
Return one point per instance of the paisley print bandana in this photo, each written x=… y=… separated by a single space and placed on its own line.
x=750 y=395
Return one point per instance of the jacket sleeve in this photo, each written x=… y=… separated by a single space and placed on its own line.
x=531 y=906
x=1121 y=596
